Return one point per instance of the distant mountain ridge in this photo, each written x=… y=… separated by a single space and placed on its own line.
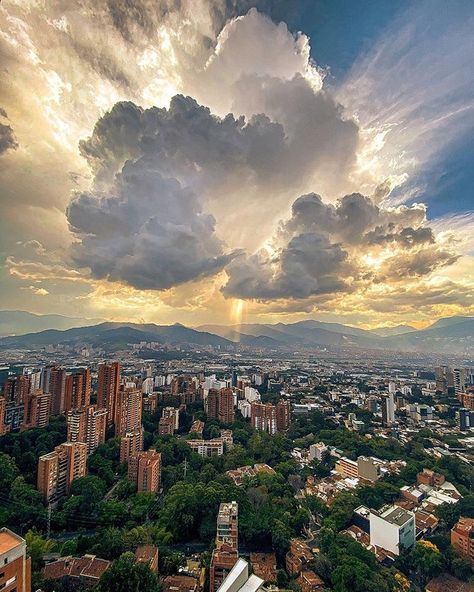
x=19 y=322
x=453 y=335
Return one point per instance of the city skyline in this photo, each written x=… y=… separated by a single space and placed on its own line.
x=228 y=162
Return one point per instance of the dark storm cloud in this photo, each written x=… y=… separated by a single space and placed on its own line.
x=309 y=265
x=149 y=232
x=320 y=250
x=185 y=141
x=357 y=219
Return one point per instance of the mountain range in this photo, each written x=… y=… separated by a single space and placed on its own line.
x=452 y=334
x=18 y=322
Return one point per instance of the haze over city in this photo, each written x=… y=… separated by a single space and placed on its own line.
x=225 y=162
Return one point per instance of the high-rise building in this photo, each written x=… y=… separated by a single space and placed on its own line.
x=225 y=555
x=37 y=406
x=131 y=444
x=371 y=404
x=173 y=414
x=283 y=415
x=14 y=413
x=227 y=525
x=220 y=405
x=87 y=425
x=263 y=417
x=388 y=409
x=76 y=425
x=15 y=566
x=96 y=427
x=78 y=389
x=108 y=385
x=16 y=388
x=212 y=403
x=144 y=470
x=128 y=411
x=460 y=379
x=35 y=380
x=58 y=469
x=4 y=428
x=150 y=403
x=53 y=382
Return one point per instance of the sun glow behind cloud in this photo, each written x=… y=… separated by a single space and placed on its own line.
x=407 y=113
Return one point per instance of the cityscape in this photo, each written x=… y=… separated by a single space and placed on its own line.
x=237 y=296
x=219 y=469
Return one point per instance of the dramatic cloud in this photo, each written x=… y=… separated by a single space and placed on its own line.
x=330 y=249
x=174 y=197
x=150 y=233
x=148 y=229
x=413 y=93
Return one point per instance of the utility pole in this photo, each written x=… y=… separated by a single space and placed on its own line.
x=185 y=467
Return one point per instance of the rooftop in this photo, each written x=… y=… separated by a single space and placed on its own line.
x=396 y=515
x=9 y=540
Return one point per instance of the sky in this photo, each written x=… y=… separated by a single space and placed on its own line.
x=227 y=161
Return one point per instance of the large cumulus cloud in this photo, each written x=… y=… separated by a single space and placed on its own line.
x=127 y=226
x=148 y=232
x=146 y=225
x=326 y=249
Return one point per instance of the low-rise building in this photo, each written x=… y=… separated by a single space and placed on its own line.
x=180 y=584
x=462 y=538
x=87 y=569
x=264 y=565
x=392 y=529
x=206 y=448
x=297 y=557
x=147 y=554
x=308 y=581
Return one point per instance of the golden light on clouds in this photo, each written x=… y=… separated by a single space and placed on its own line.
x=191 y=201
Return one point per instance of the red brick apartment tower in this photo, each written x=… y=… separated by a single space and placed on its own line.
x=226 y=412
x=128 y=411
x=16 y=388
x=283 y=415
x=144 y=469
x=37 y=409
x=108 y=387
x=3 y=426
x=57 y=390
x=78 y=389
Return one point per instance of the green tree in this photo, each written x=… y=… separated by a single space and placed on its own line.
x=125 y=575
x=37 y=547
x=426 y=561
x=8 y=472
